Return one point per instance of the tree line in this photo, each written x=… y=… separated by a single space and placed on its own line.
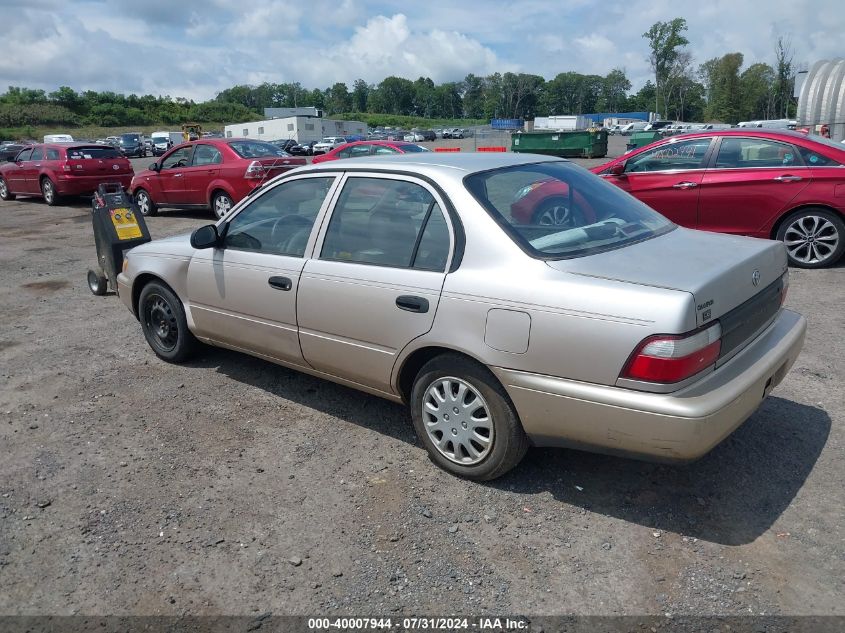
x=719 y=89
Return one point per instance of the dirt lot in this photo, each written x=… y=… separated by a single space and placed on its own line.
x=230 y=485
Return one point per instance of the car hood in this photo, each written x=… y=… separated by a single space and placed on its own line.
x=718 y=270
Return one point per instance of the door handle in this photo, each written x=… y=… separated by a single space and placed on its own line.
x=412 y=304
x=280 y=283
x=177 y=175
x=685 y=185
x=787 y=178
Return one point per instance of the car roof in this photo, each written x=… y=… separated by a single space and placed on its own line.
x=433 y=163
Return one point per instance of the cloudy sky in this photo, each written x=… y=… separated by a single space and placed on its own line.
x=195 y=48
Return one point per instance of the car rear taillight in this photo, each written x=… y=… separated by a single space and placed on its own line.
x=668 y=358
x=255 y=170
x=66 y=166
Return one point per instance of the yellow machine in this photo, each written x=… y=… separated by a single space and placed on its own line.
x=191 y=132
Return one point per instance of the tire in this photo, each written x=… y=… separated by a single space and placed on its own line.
x=98 y=284
x=48 y=192
x=221 y=203
x=555 y=212
x=814 y=238
x=145 y=203
x=5 y=194
x=164 y=324
x=450 y=383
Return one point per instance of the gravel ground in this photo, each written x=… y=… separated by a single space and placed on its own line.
x=230 y=485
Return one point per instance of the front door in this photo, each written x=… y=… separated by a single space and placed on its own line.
x=16 y=176
x=374 y=282
x=243 y=295
x=750 y=182
x=667 y=178
x=171 y=176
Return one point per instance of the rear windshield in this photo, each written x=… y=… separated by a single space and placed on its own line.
x=557 y=210
x=255 y=149
x=92 y=151
x=413 y=148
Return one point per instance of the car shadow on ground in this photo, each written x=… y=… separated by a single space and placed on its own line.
x=731 y=496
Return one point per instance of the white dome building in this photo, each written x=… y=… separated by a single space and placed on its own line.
x=822 y=97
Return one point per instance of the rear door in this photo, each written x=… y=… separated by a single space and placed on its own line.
x=667 y=178
x=171 y=176
x=749 y=182
x=374 y=282
x=205 y=166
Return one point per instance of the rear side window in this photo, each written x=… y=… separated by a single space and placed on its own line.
x=814 y=159
x=745 y=153
x=207 y=155
x=93 y=151
x=387 y=223
x=52 y=153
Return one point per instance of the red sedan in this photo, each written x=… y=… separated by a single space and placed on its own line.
x=54 y=170
x=209 y=173
x=357 y=149
x=763 y=183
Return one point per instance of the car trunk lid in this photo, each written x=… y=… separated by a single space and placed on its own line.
x=96 y=160
x=722 y=272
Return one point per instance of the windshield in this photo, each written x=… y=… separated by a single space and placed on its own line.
x=255 y=149
x=558 y=210
x=160 y=139
x=129 y=139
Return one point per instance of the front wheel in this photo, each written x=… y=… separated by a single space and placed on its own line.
x=221 y=204
x=814 y=238
x=465 y=419
x=164 y=324
x=145 y=204
x=5 y=194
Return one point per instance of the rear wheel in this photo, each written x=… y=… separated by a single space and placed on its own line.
x=145 y=204
x=465 y=419
x=5 y=194
x=814 y=238
x=164 y=324
x=48 y=191
x=221 y=203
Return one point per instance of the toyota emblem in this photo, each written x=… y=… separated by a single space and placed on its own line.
x=755 y=277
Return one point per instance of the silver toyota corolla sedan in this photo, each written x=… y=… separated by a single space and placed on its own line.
x=509 y=299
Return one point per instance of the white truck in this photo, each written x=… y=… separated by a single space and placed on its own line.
x=163 y=141
x=58 y=138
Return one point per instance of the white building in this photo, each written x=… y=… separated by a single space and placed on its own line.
x=302 y=129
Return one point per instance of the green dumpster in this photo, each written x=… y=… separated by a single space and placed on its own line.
x=578 y=143
x=641 y=139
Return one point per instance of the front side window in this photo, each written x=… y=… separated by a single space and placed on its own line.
x=279 y=222
x=558 y=210
x=179 y=158
x=745 y=153
x=24 y=155
x=671 y=156
x=388 y=223
x=207 y=155
x=37 y=153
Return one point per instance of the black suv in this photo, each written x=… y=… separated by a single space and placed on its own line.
x=132 y=144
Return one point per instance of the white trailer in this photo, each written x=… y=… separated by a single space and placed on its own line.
x=302 y=129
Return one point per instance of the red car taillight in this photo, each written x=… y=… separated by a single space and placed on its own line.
x=670 y=358
x=255 y=170
x=66 y=166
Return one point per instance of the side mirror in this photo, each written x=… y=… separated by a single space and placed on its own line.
x=618 y=169
x=154 y=167
x=205 y=237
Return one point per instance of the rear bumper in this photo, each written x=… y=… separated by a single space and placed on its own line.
x=679 y=426
x=81 y=185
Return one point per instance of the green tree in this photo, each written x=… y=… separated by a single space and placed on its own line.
x=339 y=99
x=360 y=94
x=758 y=92
x=721 y=75
x=665 y=40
